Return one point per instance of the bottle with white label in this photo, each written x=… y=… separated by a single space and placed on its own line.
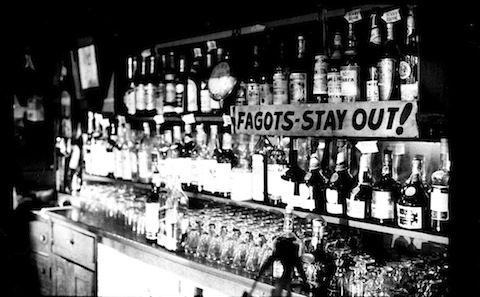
x=277 y=166
x=298 y=79
x=388 y=78
x=144 y=156
x=151 y=85
x=334 y=80
x=412 y=205
x=208 y=179
x=280 y=78
x=194 y=83
x=133 y=156
x=341 y=182
x=205 y=97
x=374 y=48
x=298 y=193
x=350 y=70
x=358 y=205
x=140 y=82
x=439 y=195
x=241 y=173
x=253 y=81
x=170 y=92
x=408 y=67
x=261 y=150
x=129 y=97
x=386 y=192
x=226 y=160
x=161 y=88
x=320 y=69
x=181 y=87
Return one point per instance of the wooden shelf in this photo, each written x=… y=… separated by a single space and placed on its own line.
x=423 y=236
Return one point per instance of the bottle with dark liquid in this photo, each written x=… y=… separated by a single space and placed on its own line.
x=373 y=53
x=161 y=91
x=298 y=80
x=408 y=67
x=334 y=80
x=386 y=192
x=412 y=205
x=253 y=81
x=316 y=181
x=439 y=196
x=140 y=82
x=152 y=207
x=194 y=83
x=170 y=99
x=350 y=70
x=388 y=78
x=181 y=86
x=280 y=78
x=151 y=84
x=129 y=98
x=358 y=206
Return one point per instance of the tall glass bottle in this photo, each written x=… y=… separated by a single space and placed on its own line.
x=358 y=204
x=144 y=156
x=334 y=80
x=241 y=172
x=133 y=150
x=388 y=78
x=280 y=78
x=298 y=79
x=315 y=179
x=374 y=48
x=226 y=160
x=208 y=183
x=350 y=70
x=261 y=150
x=194 y=82
x=205 y=70
x=214 y=55
x=386 y=192
x=320 y=69
x=140 y=83
x=412 y=205
x=152 y=208
x=151 y=84
x=341 y=182
x=439 y=196
x=181 y=86
x=129 y=98
x=170 y=92
x=161 y=87
x=276 y=168
x=408 y=67
x=296 y=175
x=253 y=81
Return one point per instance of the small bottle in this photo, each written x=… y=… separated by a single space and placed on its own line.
x=298 y=80
x=151 y=85
x=194 y=83
x=205 y=97
x=439 y=196
x=144 y=156
x=152 y=208
x=374 y=47
x=161 y=91
x=225 y=161
x=408 y=67
x=350 y=70
x=253 y=82
x=280 y=78
x=412 y=206
x=334 y=80
x=140 y=86
x=129 y=97
x=170 y=93
x=388 y=77
x=181 y=87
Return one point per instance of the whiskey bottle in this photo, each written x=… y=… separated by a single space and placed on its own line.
x=152 y=208
x=170 y=93
x=194 y=82
x=373 y=55
x=205 y=97
x=129 y=98
x=140 y=83
x=298 y=79
x=320 y=69
x=388 y=78
x=226 y=161
x=144 y=156
x=350 y=70
x=408 y=67
x=276 y=166
x=439 y=196
x=412 y=205
x=386 y=193
x=151 y=85
x=358 y=204
x=161 y=87
x=280 y=78
x=253 y=81
x=181 y=87
x=334 y=80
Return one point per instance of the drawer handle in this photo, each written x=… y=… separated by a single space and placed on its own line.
x=44 y=271
x=43 y=238
x=72 y=242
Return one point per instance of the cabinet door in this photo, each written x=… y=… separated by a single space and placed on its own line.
x=72 y=280
x=44 y=273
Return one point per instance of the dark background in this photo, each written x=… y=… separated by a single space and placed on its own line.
x=450 y=55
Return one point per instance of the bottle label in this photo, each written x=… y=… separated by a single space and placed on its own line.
x=192 y=96
x=375 y=37
x=320 y=75
x=129 y=100
x=170 y=99
x=298 y=88
x=372 y=90
x=179 y=93
x=266 y=96
x=392 y=16
x=404 y=70
x=210 y=178
x=350 y=81
x=150 y=91
x=140 y=97
x=353 y=16
x=160 y=97
x=253 y=94
x=152 y=222
x=277 y=270
x=257 y=177
x=205 y=101
x=409 y=92
x=409 y=217
x=439 y=203
x=280 y=88
x=382 y=205
x=333 y=205
x=334 y=87
x=356 y=208
x=143 y=170
x=385 y=78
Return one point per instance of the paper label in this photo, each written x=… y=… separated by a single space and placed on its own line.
x=151 y=220
x=170 y=92
x=192 y=89
x=188 y=118
x=266 y=96
x=333 y=205
x=276 y=185
x=140 y=97
x=409 y=217
x=353 y=16
x=143 y=170
x=280 y=88
x=129 y=100
x=350 y=81
x=227 y=120
x=372 y=90
x=382 y=205
x=253 y=94
x=409 y=92
x=334 y=87
x=150 y=99
x=320 y=75
x=277 y=270
x=392 y=16
x=298 y=88
x=439 y=203
x=159 y=119
x=356 y=208
x=385 y=78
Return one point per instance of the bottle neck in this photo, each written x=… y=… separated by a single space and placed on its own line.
x=416 y=171
x=390 y=36
x=387 y=166
x=300 y=47
x=374 y=30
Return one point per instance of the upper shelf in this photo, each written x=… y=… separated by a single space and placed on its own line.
x=421 y=236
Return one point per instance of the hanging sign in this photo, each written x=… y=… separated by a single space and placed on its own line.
x=396 y=119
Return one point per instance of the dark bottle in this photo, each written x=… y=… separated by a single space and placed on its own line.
x=298 y=79
x=194 y=82
x=161 y=90
x=412 y=206
x=152 y=207
x=341 y=182
x=140 y=82
x=408 y=67
x=350 y=70
x=266 y=83
x=181 y=86
x=129 y=97
x=388 y=78
x=170 y=93
x=280 y=78
x=253 y=81
x=386 y=193
x=316 y=184
x=358 y=206
x=295 y=173
x=373 y=53
x=226 y=161
x=334 y=80
x=151 y=84
x=205 y=97
x=439 y=196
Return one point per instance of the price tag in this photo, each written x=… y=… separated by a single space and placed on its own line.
x=188 y=118
x=353 y=16
x=392 y=16
x=211 y=45
x=367 y=147
x=227 y=120
x=159 y=119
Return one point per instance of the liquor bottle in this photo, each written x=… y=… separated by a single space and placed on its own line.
x=276 y=168
x=241 y=189
x=296 y=175
x=280 y=78
x=194 y=82
x=152 y=208
x=151 y=84
x=144 y=156
x=350 y=70
x=140 y=83
x=181 y=87
x=117 y=149
x=170 y=92
x=241 y=97
x=386 y=192
x=373 y=55
x=412 y=205
x=185 y=160
x=261 y=150
x=265 y=82
x=198 y=154
x=358 y=204
x=298 y=79
x=439 y=196
x=211 y=61
x=129 y=97
x=161 y=87
x=253 y=82
x=88 y=142
x=341 y=182
x=208 y=182
x=320 y=69
x=205 y=70
x=315 y=180
x=125 y=152
x=334 y=80
x=226 y=160
x=388 y=77
x=408 y=67
x=219 y=54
